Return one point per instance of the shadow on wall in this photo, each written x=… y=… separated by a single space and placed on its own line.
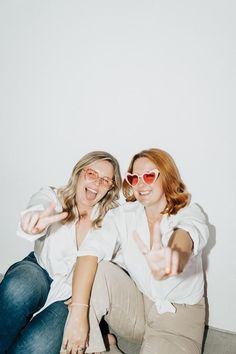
x=205 y=254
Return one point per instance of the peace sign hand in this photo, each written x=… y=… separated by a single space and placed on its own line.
x=162 y=261
x=35 y=222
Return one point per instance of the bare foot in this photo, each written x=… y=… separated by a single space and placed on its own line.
x=110 y=340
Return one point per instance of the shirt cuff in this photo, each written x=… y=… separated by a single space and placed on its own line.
x=100 y=255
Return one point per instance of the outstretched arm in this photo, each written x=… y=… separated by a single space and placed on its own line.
x=170 y=260
x=35 y=222
x=76 y=329
x=182 y=243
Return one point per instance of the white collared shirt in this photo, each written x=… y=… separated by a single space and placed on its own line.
x=56 y=248
x=115 y=239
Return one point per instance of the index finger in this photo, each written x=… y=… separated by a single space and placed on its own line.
x=157 y=244
x=141 y=245
x=49 y=220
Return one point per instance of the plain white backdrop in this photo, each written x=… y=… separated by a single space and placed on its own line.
x=122 y=75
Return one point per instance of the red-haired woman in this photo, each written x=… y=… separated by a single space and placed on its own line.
x=157 y=237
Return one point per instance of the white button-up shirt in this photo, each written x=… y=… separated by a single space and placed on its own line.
x=115 y=239
x=56 y=248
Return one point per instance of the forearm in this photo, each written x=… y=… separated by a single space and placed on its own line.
x=83 y=277
x=77 y=325
x=181 y=242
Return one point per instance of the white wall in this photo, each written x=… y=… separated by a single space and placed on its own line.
x=122 y=76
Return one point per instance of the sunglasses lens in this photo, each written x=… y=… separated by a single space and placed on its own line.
x=132 y=180
x=149 y=178
x=107 y=182
x=91 y=174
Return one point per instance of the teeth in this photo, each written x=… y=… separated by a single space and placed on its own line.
x=144 y=193
x=92 y=190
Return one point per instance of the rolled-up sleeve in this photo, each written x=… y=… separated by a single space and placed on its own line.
x=103 y=242
x=193 y=220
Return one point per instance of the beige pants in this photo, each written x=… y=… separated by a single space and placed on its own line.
x=134 y=317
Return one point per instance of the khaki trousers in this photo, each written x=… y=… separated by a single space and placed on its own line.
x=134 y=317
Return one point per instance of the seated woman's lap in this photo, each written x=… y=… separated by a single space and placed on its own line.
x=179 y=332
x=43 y=334
x=26 y=284
x=134 y=317
x=23 y=292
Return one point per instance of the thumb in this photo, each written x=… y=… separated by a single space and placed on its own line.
x=49 y=210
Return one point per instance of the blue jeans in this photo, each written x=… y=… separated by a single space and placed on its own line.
x=23 y=292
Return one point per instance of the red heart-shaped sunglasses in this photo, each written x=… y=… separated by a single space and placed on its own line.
x=147 y=177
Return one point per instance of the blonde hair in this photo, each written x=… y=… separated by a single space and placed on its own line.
x=175 y=190
x=67 y=193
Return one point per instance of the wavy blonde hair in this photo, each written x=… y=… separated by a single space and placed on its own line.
x=175 y=190
x=67 y=193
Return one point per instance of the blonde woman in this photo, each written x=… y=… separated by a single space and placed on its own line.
x=33 y=291
x=160 y=302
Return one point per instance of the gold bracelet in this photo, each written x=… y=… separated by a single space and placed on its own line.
x=78 y=304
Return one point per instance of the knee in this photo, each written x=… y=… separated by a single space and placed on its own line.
x=20 y=284
x=105 y=269
x=103 y=275
x=13 y=290
x=103 y=265
x=100 y=289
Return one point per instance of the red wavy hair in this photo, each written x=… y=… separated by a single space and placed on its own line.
x=175 y=190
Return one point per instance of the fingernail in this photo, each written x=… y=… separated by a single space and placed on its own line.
x=167 y=270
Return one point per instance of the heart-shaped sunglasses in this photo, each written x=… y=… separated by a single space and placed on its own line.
x=147 y=177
